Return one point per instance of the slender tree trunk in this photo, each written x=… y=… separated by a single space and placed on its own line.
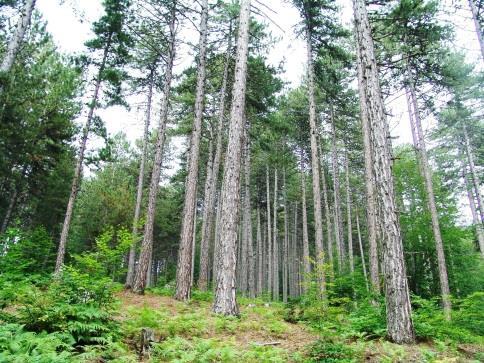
x=419 y=143
x=8 y=214
x=474 y=175
x=306 y=261
x=477 y=26
x=336 y=191
x=147 y=244
x=348 y=214
x=248 y=220
x=194 y=244
x=318 y=220
x=216 y=244
x=210 y=198
x=225 y=302
x=472 y=206
x=362 y=254
x=17 y=38
x=371 y=206
x=80 y=159
x=285 y=259
x=182 y=290
x=398 y=308
x=294 y=253
x=275 y=246
x=260 y=275
x=327 y=213
x=269 y=234
x=244 y=258
x=139 y=193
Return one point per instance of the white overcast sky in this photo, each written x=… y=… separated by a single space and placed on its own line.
x=70 y=24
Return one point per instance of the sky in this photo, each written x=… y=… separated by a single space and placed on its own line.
x=69 y=22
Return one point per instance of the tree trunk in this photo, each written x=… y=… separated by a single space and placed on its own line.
x=8 y=214
x=260 y=260
x=371 y=214
x=477 y=26
x=147 y=245
x=336 y=190
x=419 y=143
x=216 y=242
x=244 y=258
x=139 y=193
x=194 y=244
x=17 y=38
x=348 y=214
x=398 y=309
x=472 y=206
x=327 y=213
x=269 y=234
x=182 y=290
x=80 y=159
x=306 y=261
x=474 y=175
x=275 y=246
x=294 y=255
x=362 y=254
x=213 y=180
x=225 y=302
x=318 y=220
x=285 y=259
x=248 y=221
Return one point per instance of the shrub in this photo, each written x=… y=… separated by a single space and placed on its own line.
x=328 y=352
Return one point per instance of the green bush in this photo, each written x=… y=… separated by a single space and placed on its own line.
x=369 y=319
x=331 y=352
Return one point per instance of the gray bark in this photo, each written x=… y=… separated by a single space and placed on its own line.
x=269 y=233
x=477 y=26
x=139 y=193
x=348 y=214
x=182 y=290
x=475 y=218
x=80 y=159
x=336 y=197
x=305 y=240
x=327 y=213
x=147 y=244
x=362 y=253
x=8 y=213
x=419 y=143
x=275 y=245
x=211 y=183
x=248 y=223
x=285 y=257
x=260 y=261
x=225 y=301
x=371 y=214
x=16 y=41
x=398 y=308
x=318 y=220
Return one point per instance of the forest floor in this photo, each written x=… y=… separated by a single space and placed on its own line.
x=189 y=332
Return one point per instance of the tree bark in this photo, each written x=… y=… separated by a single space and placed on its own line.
x=306 y=261
x=295 y=269
x=275 y=245
x=225 y=301
x=477 y=26
x=327 y=213
x=269 y=234
x=182 y=289
x=285 y=259
x=139 y=193
x=472 y=206
x=474 y=175
x=16 y=41
x=318 y=221
x=213 y=180
x=80 y=159
x=8 y=213
x=421 y=149
x=336 y=192
x=398 y=309
x=371 y=214
x=348 y=214
x=362 y=254
x=147 y=244
x=248 y=222
x=260 y=260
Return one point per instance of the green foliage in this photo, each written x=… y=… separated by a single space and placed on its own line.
x=369 y=319
x=18 y=345
x=26 y=252
x=330 y=352
x=110 y=249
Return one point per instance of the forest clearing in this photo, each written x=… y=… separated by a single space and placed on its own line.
x=241 y=181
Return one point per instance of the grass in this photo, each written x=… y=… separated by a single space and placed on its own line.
x=190 y=332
